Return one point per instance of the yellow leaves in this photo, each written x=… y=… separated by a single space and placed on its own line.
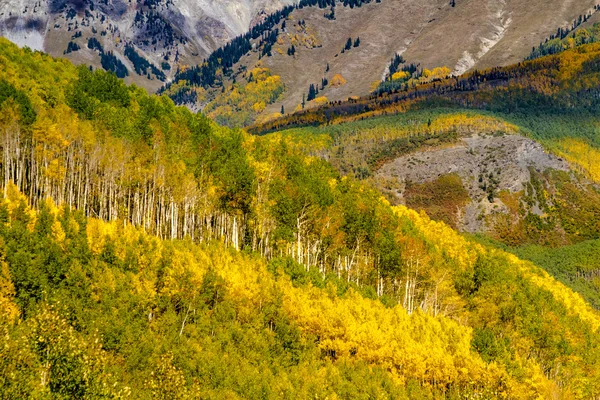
x=338 y=80
x=580 y=154
x=259 y=73
x=465 y=253
x=264 y=118
x=9 y=115
x=470 y=124
x=374 y=85
x=401 y=75
x=571 y=300
x=168 y=381
x=185 y=267
x=55 y=170
x=319 y=101
x=418 y=346
x=97 y=232
x=8 y=309
x=58 y=233
x=259 y=107
x=244 y=101
x=50 y=133
x=14 y=200
x=436 y=73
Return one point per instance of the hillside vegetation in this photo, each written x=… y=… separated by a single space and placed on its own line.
x=553 y=99
x=149 y=253
x=100 y=309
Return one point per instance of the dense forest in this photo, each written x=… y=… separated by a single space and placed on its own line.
x=147 y=252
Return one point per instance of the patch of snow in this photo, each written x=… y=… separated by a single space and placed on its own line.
x=465 y=63
x=32 y=39
x=14 y=18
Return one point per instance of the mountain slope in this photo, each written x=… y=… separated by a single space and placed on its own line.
x=173 y=32
x=507 y=152
x=135 y=316
x=427 y=34
x=133 y=286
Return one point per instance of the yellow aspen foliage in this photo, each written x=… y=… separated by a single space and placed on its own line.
x=574 y=303
x=436 y=73
x=374 y=85
x=15 y=200
x=239 y=105
x=8 y=309
x=259 y=107
x=580 y=154
x=319 y=101
x=97 y=232
x=185 y=267
x=400 y=75
x=58 y=233
x=338 y=80
x=470 y=124
x=465 y=253
x=261 y=119
x=64 y=347
x=167 y=382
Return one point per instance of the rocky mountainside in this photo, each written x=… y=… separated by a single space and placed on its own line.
x=163 y=33
x=148 y=41
x=346 y=51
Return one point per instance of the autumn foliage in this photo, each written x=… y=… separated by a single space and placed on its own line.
x=147 y=252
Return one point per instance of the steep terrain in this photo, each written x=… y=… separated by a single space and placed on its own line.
x=511 y=153
x=488 y=166
x=166 y=33
x=148 y=42
x=146 y=252
x=310 y=48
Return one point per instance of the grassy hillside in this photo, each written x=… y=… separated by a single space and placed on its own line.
x=569 y=201
x=149 y=253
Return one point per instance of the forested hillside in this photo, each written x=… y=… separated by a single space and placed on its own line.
x=149 y=253
x=448 y=147
x=554 y=99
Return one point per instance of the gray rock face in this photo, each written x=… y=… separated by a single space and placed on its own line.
x=504 y=162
